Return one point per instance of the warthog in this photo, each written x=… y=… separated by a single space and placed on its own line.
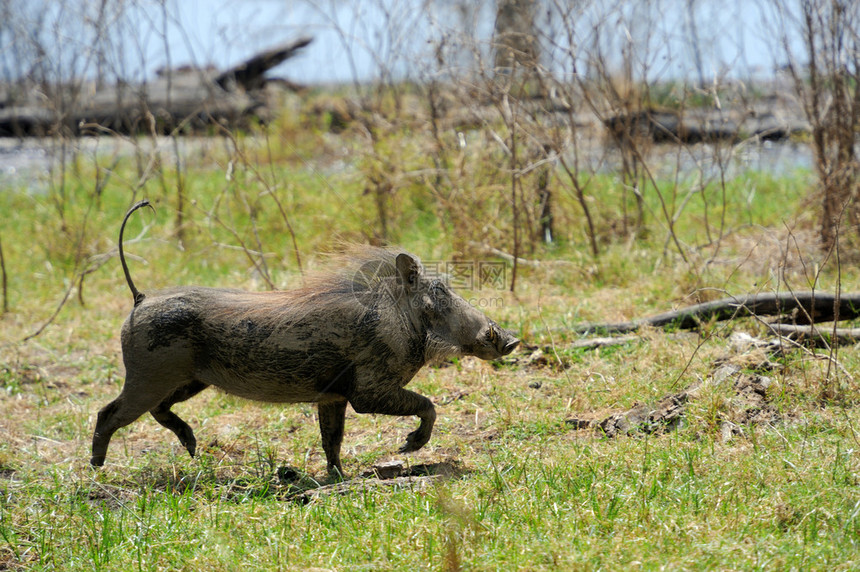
x=356 y=336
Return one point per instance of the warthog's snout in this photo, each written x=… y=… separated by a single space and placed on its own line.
x=494 y=342
x=509 y=345
x=504 y=340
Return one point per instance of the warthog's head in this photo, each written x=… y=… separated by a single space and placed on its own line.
x=453 y=326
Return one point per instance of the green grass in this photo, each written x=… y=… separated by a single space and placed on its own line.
x=531 y=492
x=783 y=501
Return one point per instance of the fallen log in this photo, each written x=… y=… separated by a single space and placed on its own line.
x=364 y=486
x=802 y=307
x=390 y=475
x=697 y=126
x=671 y=126
x=818 y=337
x=178 y=99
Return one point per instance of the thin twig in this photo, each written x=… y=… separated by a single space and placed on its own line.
x=54 y=315
x=5 y=279
x=523 y=261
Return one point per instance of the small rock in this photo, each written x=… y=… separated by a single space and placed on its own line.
x=389 y=470
x=729 y=430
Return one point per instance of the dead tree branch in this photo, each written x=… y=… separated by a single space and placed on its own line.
x=801 y=307
x=819 y=337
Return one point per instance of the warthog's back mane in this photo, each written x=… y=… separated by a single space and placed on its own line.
x=356 y=269
x=352 y=276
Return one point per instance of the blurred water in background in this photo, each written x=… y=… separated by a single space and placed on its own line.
x=24 y=164
x=27 y=164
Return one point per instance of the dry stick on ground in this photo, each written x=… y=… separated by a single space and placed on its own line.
x=822 y=356
x=595 y=343
x=831 y=336
x=805 y=307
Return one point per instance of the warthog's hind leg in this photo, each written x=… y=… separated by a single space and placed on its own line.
x=118 y=413
x=171 y=420
x=332 y=415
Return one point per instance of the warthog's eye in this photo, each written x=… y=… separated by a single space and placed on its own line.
x=438 y=291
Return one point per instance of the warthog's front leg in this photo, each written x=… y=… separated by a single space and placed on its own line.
x=332 y=415
x=401 y=401
x=420 y=436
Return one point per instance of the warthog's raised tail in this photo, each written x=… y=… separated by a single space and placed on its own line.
x=137 y=294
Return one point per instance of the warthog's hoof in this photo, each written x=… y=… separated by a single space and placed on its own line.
x=336 y=473
x=414 y=441
x=97 y=461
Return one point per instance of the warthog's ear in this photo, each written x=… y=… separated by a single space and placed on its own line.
x=408 y=271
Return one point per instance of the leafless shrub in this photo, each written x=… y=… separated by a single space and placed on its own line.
x=528 y=98
x=825 y=81
x=503 y=113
